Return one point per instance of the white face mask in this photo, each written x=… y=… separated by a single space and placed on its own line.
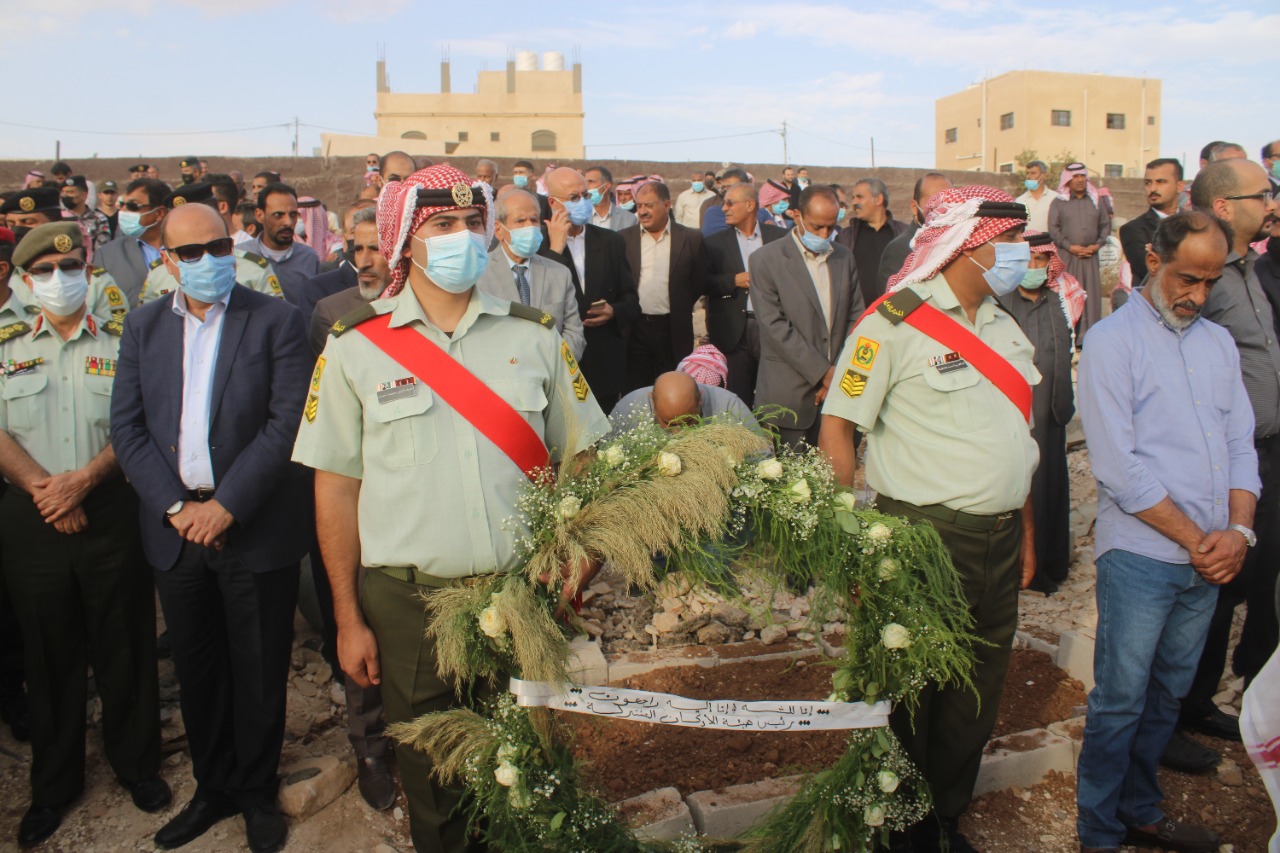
x=61 y=293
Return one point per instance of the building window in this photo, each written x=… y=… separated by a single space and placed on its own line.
x=544 y=140
x=1061 y=118
x=463 y=136
x=950 y=134
x=413 y=134
x=1115 y=121
x=1006 y=168
x=1113 y=170
x=1151 y=121
x=1006 y=121
x=495 y=136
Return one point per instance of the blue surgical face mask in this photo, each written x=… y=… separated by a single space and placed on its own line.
x=130 y=223
x=371 y=168
x=1030 y=184
x=595 y=195
x=1012 y=261
x=699 y=186
x=628 y=205
x=208 y=279
x=455 y=261
x=814 y=243
x=840 y=215
x=525 y=242
x=521 y=181
x=781 y=207
x=1035 y=279
x=579 y=211
x=1275 y=168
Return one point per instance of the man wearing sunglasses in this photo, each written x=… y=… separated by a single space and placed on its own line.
x=252 y=269
x=129 y=257
x=206 y=405
x=69 y=527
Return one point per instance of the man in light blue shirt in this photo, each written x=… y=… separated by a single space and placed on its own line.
x=1170 y=435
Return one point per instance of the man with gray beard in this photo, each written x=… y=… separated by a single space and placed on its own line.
x=372 y=277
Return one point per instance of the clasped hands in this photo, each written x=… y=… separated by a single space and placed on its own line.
x=1219 y=556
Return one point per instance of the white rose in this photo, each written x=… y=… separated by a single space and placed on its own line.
x=506 y=752
x=668 y=464
x=492 y=622
x=846 y=501
x=887 y=780
x=614 y=456
x=519 y=798
x=888 y=568
x=873 y=816
x=507 y=774
x=879 y=532
x=769 y=469
x=800 y=492
x=569 y=506
x=894 y=636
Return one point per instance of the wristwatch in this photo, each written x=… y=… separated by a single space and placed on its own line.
x=1250 y=537
x=174 y=510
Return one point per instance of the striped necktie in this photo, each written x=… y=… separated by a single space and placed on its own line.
x=522 y=282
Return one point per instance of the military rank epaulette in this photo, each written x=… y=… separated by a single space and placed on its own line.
x=257 y=259
x=158 y=262
x=526 y=312
x=353 y=318
x=97 y=271
x=114 y=327
x=13 y=330
x=897 y=306
x=31 y=309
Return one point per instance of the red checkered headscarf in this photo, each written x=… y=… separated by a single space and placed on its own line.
x=707 y=365
x=316 y=225
x=1069 y=171
x=953 y=223
x=771 y=194
x=404 y=205
x=1058 y=279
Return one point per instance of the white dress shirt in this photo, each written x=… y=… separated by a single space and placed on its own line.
x=655 y=271
x=746 y=247
x=819 y=275
x=1037 y=209
x=199 y=354
x=578 y=251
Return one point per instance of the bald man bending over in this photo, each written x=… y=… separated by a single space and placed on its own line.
x=674 y=396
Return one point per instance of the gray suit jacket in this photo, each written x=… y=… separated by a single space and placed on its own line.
x=550 y=290
x=796 y=345
x=618 y=218
x=125 y=262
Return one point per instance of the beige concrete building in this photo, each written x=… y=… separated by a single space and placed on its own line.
x=1112 y=124
x=523 y=111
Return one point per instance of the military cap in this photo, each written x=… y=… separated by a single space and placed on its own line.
x=138 y=167
x=201 y=191
x=36 y=199
x=50 y=238
x=75 y=181
x=108 y=187
x=190 y=162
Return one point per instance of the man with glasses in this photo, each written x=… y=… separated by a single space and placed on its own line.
x=129 y=257
x=69 y=527
x=208 y=395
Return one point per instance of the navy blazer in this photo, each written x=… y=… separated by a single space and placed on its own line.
x=260 y=382
x=325 y=284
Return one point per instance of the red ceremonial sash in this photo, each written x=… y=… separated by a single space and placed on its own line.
x=951 y=334
x=491 y=415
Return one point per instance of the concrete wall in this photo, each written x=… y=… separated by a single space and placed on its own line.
x=1031 y=96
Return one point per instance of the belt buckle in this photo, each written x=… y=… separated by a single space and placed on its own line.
x=1002 y=518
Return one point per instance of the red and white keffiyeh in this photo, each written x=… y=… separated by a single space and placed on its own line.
x=951 y=225
x=315 y=223
x=1068 y=172
x=707 y=365
x=399 y=213
x=1061 y=282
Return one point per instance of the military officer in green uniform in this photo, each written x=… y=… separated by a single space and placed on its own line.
x=939 y=377
x=69 y=531
x=252 y=270
x=407 y=486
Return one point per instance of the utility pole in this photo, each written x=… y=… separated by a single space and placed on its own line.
x=785 y=159
x=873 y=152
x=57 y=149
x=295 y=136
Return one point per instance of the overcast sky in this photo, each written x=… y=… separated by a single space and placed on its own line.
x=118 y=78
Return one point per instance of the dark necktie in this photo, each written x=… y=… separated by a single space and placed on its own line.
x=522 y=282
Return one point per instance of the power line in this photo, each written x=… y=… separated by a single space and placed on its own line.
x=146 y=132
x=679 y=141
x=336 y=129
x=850 y=145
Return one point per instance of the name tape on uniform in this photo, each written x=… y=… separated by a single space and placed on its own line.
x=730 y=714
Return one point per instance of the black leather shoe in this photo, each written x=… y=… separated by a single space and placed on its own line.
x=1187 y=756
x=150 y=795
x=266 y=829
x=1216 y=723
x=193 y=821
x=377 y=782
x=38 y=824
x=1173 y=835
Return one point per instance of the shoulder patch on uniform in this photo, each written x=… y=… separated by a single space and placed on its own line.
x=353 y=318
x=257 y=259
x=853 y=383
x=115 y=298
x=865 y=352
x=897 y=306
x=274 y=284
x=526 y=312
x=114 y=327
x=13 y=330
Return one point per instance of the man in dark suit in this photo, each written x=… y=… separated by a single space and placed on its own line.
x=670 y=268
x=307 y=297
x=731 y=321
x=128 y=257
x=804 y=289
x=606 y=290
x=371 y=277
x=870 y=230
x=895 y=254
x=1162 y=183
x=223 y=511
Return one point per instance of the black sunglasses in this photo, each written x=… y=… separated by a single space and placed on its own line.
x=134 y=207
x=192 y=252
x=68 y=265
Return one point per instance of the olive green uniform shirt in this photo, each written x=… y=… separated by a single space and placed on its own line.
x=55 y=395
x=20 y=307
x=104 y=299
x=252 y=270
x=939 y=433
x=438 y=496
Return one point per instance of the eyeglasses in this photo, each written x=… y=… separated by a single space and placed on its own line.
x=192 y=252
x=573 y=198
x=1262 y=196
x=134 y=207
x=43 y=272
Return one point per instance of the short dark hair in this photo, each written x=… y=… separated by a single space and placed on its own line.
x=156 y=190
x=809 y=193
x=522 y=164
x=274 y=188
x=225 y=190
x=603 y=170
x=1269 y=150
x=1216 y=180
x=740 y=174
x=273 y=177
x=919 y=189
x=1167 y=161
x=1172 y=230
x=662 y=190
x=1207 y=151
x=62 y=167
